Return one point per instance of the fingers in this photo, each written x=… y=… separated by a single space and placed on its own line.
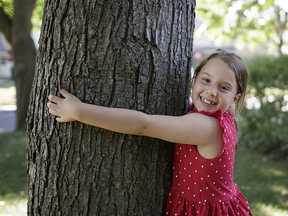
x=64 y=93
x=61 y=107
x=52 y=108
x=59 y=119
x=55 y=99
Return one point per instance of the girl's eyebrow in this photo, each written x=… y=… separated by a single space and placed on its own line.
x=206 y=73
x=228 y=83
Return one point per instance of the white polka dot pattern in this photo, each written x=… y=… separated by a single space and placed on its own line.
x=201 y=184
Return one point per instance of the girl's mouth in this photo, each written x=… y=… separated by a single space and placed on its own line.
x=207 y=101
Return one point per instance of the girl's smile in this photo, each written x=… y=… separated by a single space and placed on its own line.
x=207 y=101
x=215 y=87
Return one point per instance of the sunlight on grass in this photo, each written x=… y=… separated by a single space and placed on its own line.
x=13 y=204
x=8 y=93
x=280 y=189
x=262 y=209
x=275 y=172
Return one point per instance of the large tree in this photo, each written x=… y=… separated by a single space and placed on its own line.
x=15 y=23
x=131 y=54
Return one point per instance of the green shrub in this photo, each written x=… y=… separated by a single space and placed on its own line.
x=265 y=123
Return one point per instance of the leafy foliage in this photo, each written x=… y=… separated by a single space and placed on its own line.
x=249 y=22
x=264 y=126
x=37 y=15
x=8 y=7
x=36 y=19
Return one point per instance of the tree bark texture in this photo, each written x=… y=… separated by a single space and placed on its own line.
x=131 y=54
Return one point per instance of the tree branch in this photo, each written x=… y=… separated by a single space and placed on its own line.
x=6 y=25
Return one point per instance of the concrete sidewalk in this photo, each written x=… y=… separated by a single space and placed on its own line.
x=7 y=115
x=7 y=118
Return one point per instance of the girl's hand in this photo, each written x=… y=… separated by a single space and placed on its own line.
x=65 y=109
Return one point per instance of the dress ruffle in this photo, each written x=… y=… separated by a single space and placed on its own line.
x=181 y=202
x=232 y=207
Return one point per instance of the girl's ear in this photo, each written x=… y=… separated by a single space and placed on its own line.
x=236 y=98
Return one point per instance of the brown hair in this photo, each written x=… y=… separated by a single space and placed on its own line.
x=241 y=73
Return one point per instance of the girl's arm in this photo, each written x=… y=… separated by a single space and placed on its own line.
x=193 y=129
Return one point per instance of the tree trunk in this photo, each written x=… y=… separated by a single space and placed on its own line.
x=24 y=55
x=129 y=54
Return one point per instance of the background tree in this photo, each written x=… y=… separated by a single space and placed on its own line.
x=249 y=22
x=130 y=54
x=15 y=23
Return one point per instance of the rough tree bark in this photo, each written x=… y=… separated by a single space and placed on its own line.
x=131 y=54
x=17 y=32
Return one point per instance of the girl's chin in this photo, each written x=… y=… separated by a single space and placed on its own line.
x=205 y=108
x=209 y=109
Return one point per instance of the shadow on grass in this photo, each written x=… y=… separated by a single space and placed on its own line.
x=263 y=182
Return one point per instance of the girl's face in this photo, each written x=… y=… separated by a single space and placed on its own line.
x=215 y=87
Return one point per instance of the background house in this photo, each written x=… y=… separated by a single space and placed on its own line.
x=6 y=62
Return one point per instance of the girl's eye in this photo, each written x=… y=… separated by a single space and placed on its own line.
x=206 y=80
x=224 y=88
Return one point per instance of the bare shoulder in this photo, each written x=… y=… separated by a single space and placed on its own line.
x=205 y=129
x=208 y=135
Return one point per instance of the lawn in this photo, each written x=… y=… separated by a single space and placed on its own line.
x=262 y=180
x=13 y=190
x=8 y=93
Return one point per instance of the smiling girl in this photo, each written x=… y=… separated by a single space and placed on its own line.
x=206 y=137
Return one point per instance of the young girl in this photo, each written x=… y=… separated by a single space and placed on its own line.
x=206 y=136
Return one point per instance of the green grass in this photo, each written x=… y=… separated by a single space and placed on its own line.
x=8 y=93
x=13 y=189
x=262 y=180
x=7 y=84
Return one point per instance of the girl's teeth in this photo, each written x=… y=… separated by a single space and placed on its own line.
x=206 y=101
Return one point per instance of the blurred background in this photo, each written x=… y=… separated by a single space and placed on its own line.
x=254 y=29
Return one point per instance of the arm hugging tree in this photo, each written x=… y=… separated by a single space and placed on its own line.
x=129 y=54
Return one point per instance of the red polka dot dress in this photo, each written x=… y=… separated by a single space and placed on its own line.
x=205 y=186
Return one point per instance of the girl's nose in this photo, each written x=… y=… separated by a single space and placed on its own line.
x=212 y=91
